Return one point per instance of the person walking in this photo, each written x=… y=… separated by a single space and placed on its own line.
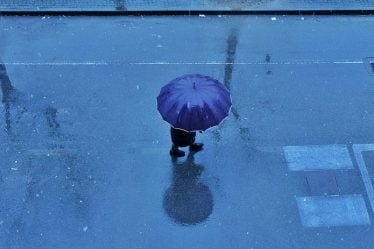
x=192 y=103
x=181 y=138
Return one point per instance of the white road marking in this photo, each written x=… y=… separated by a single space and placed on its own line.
x=250 y=63
x=358 y=149
x=317 y=157
x=87 y=63
x=326 y=211
x=108 y=63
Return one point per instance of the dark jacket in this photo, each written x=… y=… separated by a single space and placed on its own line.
x=182 y=138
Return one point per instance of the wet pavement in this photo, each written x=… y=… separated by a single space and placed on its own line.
x=85 y=160
x=170 y=5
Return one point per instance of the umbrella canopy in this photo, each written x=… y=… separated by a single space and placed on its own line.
x=194 y=102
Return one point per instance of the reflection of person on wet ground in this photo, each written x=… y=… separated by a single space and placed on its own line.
x=188 y=201
x=181 y=138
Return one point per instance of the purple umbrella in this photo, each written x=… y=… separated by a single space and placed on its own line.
x=194 y=102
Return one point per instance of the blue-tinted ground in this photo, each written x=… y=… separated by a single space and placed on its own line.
x=136 y=5
x=84 y=152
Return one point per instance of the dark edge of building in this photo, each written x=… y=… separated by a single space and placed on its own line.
x=180 y=12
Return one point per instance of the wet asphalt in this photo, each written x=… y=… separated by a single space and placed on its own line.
x=85 y=160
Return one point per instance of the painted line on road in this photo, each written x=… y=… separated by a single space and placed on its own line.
x=105 y=63
x=58 y=63
x=317 y=157
x=357 y=150
x=250 y=63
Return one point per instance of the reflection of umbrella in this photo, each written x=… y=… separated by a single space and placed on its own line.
x=189 y=206
x=194 y=102
x=188 y=201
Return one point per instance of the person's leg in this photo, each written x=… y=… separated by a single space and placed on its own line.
x=196 y=146
x=174 y=151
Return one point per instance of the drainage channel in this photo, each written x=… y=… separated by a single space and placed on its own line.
x=369 y=64
x=232 y=43
x=6 y=88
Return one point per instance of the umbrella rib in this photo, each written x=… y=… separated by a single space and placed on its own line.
x=219 y=106
x=170 y=109
x=194 y=108
x=212 y=113
x=181 y=118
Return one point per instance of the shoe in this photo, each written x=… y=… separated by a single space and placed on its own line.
x=196 y=146
x=177 y=153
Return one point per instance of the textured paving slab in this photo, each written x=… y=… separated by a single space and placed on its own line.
x=330 y=211
x=317 y=157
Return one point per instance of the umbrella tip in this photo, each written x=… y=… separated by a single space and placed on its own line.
x=194 y=85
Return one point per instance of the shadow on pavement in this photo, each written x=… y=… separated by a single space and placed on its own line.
x=188 y=201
